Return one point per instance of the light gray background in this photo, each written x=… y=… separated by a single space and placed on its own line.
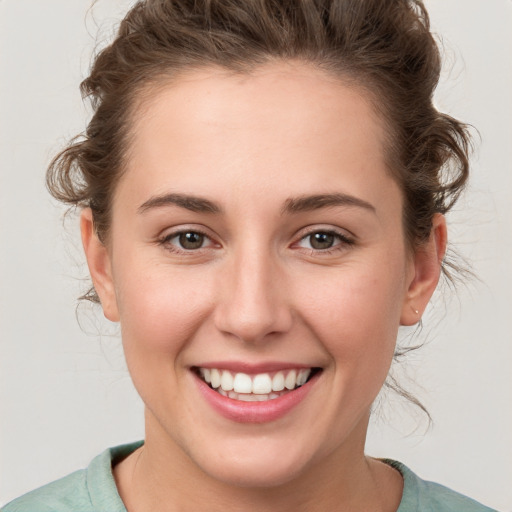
x=65 y=395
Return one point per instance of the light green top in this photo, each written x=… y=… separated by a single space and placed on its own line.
x=93 y=490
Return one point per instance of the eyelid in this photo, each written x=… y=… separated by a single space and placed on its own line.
x=344 y=234
x=171 y=233
x=344 y=239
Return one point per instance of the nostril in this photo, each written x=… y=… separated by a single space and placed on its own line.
x=254 y=327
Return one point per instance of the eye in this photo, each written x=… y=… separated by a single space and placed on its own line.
x=184 y=241
x=190 y=240
x=323 y=240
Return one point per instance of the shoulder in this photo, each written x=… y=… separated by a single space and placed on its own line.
x=68 y=493
x=424 y=496
x=88 y=490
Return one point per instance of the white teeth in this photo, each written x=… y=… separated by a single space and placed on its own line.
x=242 y=383
x=278 y=382
x=215 y=375
x=226 y=381
x=291 y=379
x=262 y=384
x=249 y=397
x=303 y=377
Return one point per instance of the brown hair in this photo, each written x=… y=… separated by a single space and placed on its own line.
x=384 y=46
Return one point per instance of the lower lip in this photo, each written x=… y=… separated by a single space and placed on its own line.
x=255 y=412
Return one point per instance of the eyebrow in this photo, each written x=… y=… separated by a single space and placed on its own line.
x=192 y=203
x=317 y=201
x=291 y=205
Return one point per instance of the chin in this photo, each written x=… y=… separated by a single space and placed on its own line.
x=262 y=467
x=250 y=475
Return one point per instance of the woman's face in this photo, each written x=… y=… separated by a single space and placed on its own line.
x=256 y=233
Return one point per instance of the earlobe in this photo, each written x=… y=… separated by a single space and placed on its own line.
x=427 y=261
x=99 y=263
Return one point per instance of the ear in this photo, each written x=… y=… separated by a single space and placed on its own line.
x=99 y=262
x=427 y=262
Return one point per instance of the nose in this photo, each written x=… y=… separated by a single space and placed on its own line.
x=253 y=306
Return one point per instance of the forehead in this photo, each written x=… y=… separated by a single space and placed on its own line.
x=287 y=120
x=267 y=95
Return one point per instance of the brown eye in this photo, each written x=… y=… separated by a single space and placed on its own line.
x=325 y=242
x=322 y=240
x=191 y=240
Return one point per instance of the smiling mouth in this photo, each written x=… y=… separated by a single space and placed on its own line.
x=255 y=388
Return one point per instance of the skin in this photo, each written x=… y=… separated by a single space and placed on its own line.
x=256 y=291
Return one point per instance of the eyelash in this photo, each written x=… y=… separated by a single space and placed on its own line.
x=166 y=241
x=343 y=241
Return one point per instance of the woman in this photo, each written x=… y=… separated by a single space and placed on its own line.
x=262 y=190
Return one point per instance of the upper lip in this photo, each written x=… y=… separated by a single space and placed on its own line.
x=253 y=368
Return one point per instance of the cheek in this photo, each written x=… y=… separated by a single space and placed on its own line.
x=356 y=314
x=160 y=306
x=160 y=311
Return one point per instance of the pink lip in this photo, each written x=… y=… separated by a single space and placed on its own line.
x=250 y=369
x=254 y=412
